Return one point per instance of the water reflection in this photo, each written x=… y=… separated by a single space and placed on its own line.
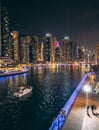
x=52 y=87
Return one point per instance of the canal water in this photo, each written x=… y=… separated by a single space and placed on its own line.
x=52 y=87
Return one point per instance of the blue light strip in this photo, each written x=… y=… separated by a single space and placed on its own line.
x=61 y=118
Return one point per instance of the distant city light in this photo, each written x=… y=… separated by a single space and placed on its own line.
x=57 y=44
x=48 y=35
x=67 y=38
x=11 y=33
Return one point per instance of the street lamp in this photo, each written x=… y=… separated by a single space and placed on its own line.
x=87 y=90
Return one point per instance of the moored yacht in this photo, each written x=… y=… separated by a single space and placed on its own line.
x=14 y=71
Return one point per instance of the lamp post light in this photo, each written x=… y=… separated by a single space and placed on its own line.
x=87 y=90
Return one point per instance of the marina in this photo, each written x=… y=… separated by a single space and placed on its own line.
x=52 y=87
x=49 y=65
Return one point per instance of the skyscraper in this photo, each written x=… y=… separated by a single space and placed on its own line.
x=4 y=30
x=49 y=44
x=0 y=29
x=64 y=47
x=69 y=48
x=97 y=48
x=34 y=50
x=24 y=48
x=16 y=45
x=53 y=46
x=57 y=52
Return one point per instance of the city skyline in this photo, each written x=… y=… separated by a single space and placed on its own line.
x=76 y=19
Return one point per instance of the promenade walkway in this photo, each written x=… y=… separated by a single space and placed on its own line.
x=81 y=118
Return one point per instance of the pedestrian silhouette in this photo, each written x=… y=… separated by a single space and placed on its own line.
x=93 y=107
x=88 y=111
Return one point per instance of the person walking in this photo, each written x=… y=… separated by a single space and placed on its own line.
x=87 y=109
x=93 y=107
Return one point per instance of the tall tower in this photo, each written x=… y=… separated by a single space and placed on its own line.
x=34 y=50
x=24 y=49
x=16 y=45
x=0 y=29
x=57 y=53
x=64 y=47
x=42 y=51
x=83 y=51
x=68 y=50
x=4 y=32
x=53 y=46
x=49 y=45
x=97 y=49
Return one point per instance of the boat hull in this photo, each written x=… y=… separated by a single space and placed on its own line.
x=13 y=73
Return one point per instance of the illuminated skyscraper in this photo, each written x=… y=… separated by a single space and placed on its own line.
x=0 y=29
x=34 y=50
x=57 y=53
x=24 y=49
x=42 y=51
x=65 y=47
x=53 y=46
x=69 y=50
x=97 y=49
x=79 y=54
x=83 y=54
x=4 y=29
x=49 y=45
x=11 y=50
x=15 y=47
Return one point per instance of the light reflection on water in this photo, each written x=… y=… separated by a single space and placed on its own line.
x=52 y=87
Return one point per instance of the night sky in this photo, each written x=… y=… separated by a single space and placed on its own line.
x=74 y=18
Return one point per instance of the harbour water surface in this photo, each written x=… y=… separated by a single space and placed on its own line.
x=52 y=87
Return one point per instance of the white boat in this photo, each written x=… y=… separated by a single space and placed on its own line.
x=23 y=91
